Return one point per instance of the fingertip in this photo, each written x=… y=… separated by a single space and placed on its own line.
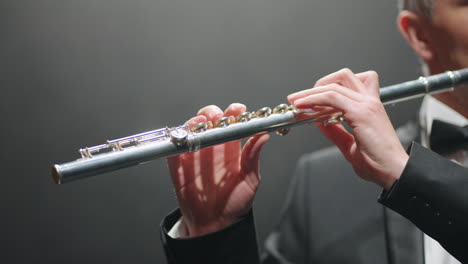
x=236 y=106
x=211 y=112
x=297 y=95
x=258 y=142
x=254 y=140
x=264 y=138
x=291 y=97
x=235 y=109
x=195 y=120
x=251 y=151
x=209 y=109
x=319 y=124
x=302 y=103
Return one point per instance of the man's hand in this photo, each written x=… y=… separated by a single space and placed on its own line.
x=216 y=185
x=373 y=148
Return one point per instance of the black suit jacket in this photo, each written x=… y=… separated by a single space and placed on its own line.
x=332 y=217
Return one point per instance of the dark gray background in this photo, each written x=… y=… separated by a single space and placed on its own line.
x=75 y=73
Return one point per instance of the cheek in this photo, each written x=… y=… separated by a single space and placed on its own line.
x=451 y=35
x=460 y=47
x=453 y=40
x=458 y=30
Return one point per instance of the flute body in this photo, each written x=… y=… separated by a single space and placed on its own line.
x=165 y=142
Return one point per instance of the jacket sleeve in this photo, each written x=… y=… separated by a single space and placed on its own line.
x=432 y=192
x=234 y=244
x=238 y=243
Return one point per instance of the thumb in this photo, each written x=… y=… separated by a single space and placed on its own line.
x=370 y=79
x=337 y=134
x=251 y=154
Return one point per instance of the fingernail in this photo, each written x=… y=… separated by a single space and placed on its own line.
x=305 y=111
x=211 y=108
x=292 y=95
x=298 y=101
x=235 y=105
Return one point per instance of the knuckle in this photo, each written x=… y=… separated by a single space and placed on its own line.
x=373 y=74
x=332 y=95
x=366 y=110
x=318 y=83
x=352 y=112
x=375 y=102
x=346 y=72
x=334 y=87
x=374 y=105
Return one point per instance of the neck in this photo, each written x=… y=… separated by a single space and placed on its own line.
x=456 y=99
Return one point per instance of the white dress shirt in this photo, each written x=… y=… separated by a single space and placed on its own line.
x=179 y=230
x=432 y=109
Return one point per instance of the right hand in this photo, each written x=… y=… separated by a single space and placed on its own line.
x=373 y=147
x=215 y=186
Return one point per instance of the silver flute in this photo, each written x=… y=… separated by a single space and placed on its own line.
x=164 y=142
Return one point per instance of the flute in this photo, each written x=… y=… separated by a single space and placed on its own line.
x=164 y=142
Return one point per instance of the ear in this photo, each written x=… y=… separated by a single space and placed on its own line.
x=415 y=29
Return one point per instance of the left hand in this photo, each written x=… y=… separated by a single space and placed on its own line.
x=216 y=186
x=373 y=147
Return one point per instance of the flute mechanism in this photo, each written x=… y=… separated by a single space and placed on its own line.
x=135 y=149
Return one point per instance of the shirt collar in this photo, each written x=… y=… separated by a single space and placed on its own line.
x=431 y=109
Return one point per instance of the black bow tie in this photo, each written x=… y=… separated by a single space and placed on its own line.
x=446 y=138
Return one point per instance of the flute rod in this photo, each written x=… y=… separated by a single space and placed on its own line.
x=160 y=143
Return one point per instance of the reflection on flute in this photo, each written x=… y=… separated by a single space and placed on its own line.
x=132 y=150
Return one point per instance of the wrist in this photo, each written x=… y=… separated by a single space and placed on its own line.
x=388 y=183
x=396 y=170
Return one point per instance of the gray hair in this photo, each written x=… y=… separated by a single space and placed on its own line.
x=422 y=7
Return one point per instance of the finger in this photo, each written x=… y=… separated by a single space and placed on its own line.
x=211 y=112
x=251 y=157
x=181 y=168
x=294 y=96
x=329 y=98
x=321 y=89
x=344 y=77
x=232 y=149
x=370 y=79
x=314 y=109
x=175 y=169
x=322 y=108
x=195 y=120
x=178 y=163
x=187 y=185
x=207 y=166
x=337 y=134
x=235 y=109
x=207 y=158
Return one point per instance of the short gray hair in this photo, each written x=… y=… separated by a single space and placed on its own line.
x=422 y=7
